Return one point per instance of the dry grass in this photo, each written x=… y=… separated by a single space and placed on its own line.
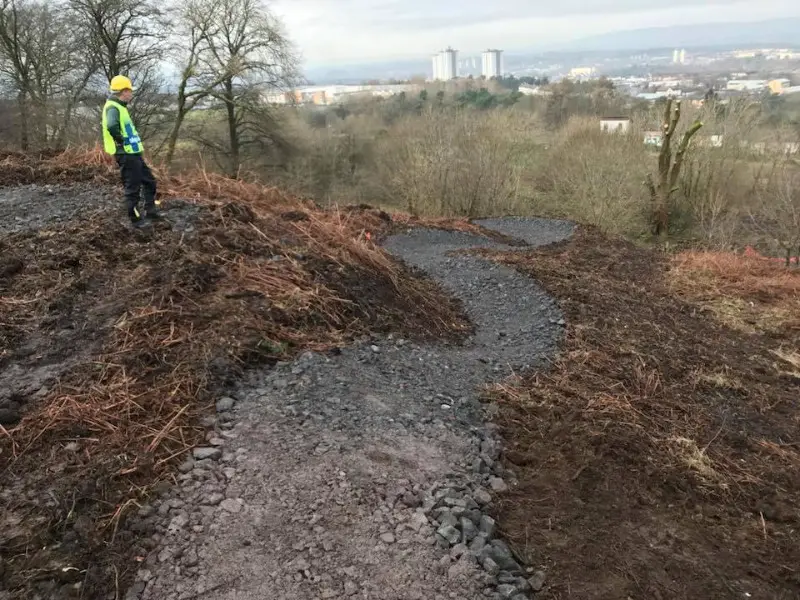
x=162 y=321
x=790 y=361
x=747 y=292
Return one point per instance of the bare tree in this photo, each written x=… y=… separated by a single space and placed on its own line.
x=247 y=53
x=197 y=22
x=716 y=179
x=776 y=208
x=125 y=34
x=16 y=41
x=42 y=59
x=126 y=37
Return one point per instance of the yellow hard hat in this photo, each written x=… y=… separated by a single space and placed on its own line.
x=119 y=83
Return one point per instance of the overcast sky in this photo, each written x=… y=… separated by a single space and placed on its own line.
x=340 y=31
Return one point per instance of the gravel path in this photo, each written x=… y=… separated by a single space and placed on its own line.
x=369 y=473
x=33 y=207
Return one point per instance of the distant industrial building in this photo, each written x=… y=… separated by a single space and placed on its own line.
x=582 y=72
x=335 y=94
x=657 y=95
x=532 y=90
x=492 y=63
x=445 y=65
x=777 y=86
x=747 y=85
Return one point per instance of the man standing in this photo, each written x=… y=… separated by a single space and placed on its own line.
x=121 y=139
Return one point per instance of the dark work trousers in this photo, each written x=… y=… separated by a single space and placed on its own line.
x=138 y=181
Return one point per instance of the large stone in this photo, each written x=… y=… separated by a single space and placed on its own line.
x=482 y=496
x=449 y=533
x=350 y=588
x=487 y=526
x=490 y=566
x=497 y=484
x=462 y=502
x=477 y=545
x=204 y=453
x=387 y=538
x=225 y=404
x=213 y=499
x=501 y=554
x=186 y=466
x=448 y=518
x=468 y=530
x=417 y=521
x=232 y=505
x=506 y=590
x=536 y=581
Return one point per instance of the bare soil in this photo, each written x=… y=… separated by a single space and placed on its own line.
x=659 y=458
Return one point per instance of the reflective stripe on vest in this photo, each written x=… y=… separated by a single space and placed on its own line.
x=132 y=138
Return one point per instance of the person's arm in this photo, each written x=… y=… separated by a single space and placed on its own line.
x=113 y=125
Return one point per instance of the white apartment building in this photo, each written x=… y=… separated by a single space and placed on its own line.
x=492 y=63
x=445 y=65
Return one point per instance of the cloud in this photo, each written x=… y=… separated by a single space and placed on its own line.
x=335 y=31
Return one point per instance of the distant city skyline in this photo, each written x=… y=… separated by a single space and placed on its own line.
x=328 y=32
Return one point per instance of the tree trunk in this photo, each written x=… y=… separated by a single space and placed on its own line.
x=233 y=129
x=24 y=122
x=669 y=168
x=172 y=140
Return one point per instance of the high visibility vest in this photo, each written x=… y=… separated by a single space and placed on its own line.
x=132 y=141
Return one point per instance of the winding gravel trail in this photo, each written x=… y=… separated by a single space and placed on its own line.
x=366 y=474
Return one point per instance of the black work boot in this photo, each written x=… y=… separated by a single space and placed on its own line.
x=153 y=214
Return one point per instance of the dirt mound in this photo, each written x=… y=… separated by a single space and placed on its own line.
x=140 y=327
x=660 y=456
x=53 y=167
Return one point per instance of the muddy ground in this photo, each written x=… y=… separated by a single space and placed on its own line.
x=660 y=457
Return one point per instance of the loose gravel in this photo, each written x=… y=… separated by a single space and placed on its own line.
x=367 y=473
x=33 y=207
